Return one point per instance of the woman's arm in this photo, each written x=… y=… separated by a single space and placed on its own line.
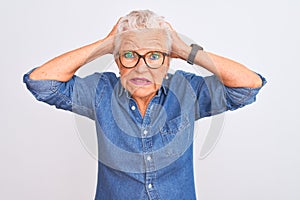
x=63 y=67
x=229 y=72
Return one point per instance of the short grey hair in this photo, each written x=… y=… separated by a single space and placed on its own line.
x=142 y=19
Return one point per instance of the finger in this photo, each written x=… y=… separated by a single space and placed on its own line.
x=171 y=28
x=114 y=29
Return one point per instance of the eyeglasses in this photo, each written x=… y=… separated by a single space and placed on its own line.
x=153 y=59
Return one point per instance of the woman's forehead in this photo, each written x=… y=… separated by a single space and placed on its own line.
x=144 y=39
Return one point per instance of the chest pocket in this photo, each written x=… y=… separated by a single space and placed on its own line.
x=174 y=127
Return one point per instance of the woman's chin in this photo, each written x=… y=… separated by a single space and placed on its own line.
x=143 y=92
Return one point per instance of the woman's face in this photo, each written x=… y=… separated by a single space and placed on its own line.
x=142 y=81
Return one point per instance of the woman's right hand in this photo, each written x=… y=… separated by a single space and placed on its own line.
x=110 y=38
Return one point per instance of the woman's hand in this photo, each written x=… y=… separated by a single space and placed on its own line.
x=110 y=38
x=179 y=48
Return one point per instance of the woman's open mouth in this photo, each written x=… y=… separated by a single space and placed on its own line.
x=140 y=81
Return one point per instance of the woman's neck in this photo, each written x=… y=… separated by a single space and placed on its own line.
x=143 y=103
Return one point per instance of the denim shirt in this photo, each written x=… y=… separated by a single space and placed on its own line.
x=148 y=157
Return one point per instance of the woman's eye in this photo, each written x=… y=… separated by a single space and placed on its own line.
x=155 y=56
x=128 y=55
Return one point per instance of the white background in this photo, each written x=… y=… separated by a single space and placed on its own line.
x=257 y=157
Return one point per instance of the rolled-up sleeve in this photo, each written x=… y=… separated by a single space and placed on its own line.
x=239 y=97
x=76 y=95
x=214 y=98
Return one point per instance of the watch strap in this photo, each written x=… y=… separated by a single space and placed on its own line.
x=192 y=55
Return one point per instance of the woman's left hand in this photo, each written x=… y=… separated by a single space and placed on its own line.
x=179 y=48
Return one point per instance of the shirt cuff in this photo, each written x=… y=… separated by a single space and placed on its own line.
x=40 y=86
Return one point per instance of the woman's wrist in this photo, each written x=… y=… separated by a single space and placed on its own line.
x=182 y=52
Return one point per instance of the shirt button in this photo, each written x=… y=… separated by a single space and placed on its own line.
x=149 y=158
x=132 y=107
x=150 y=186
x=145 y=132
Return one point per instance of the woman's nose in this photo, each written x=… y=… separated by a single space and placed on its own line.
x=141 y=65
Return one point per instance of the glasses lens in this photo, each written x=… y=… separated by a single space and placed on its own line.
x=129 y=58
x=154 y=59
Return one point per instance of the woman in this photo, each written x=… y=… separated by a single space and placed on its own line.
x=145 y=117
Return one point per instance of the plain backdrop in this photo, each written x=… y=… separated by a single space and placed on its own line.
x=42 y=156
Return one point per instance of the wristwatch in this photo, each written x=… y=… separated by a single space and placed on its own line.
x=192 y=55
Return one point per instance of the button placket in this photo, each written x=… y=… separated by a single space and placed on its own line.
x=147 y=139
